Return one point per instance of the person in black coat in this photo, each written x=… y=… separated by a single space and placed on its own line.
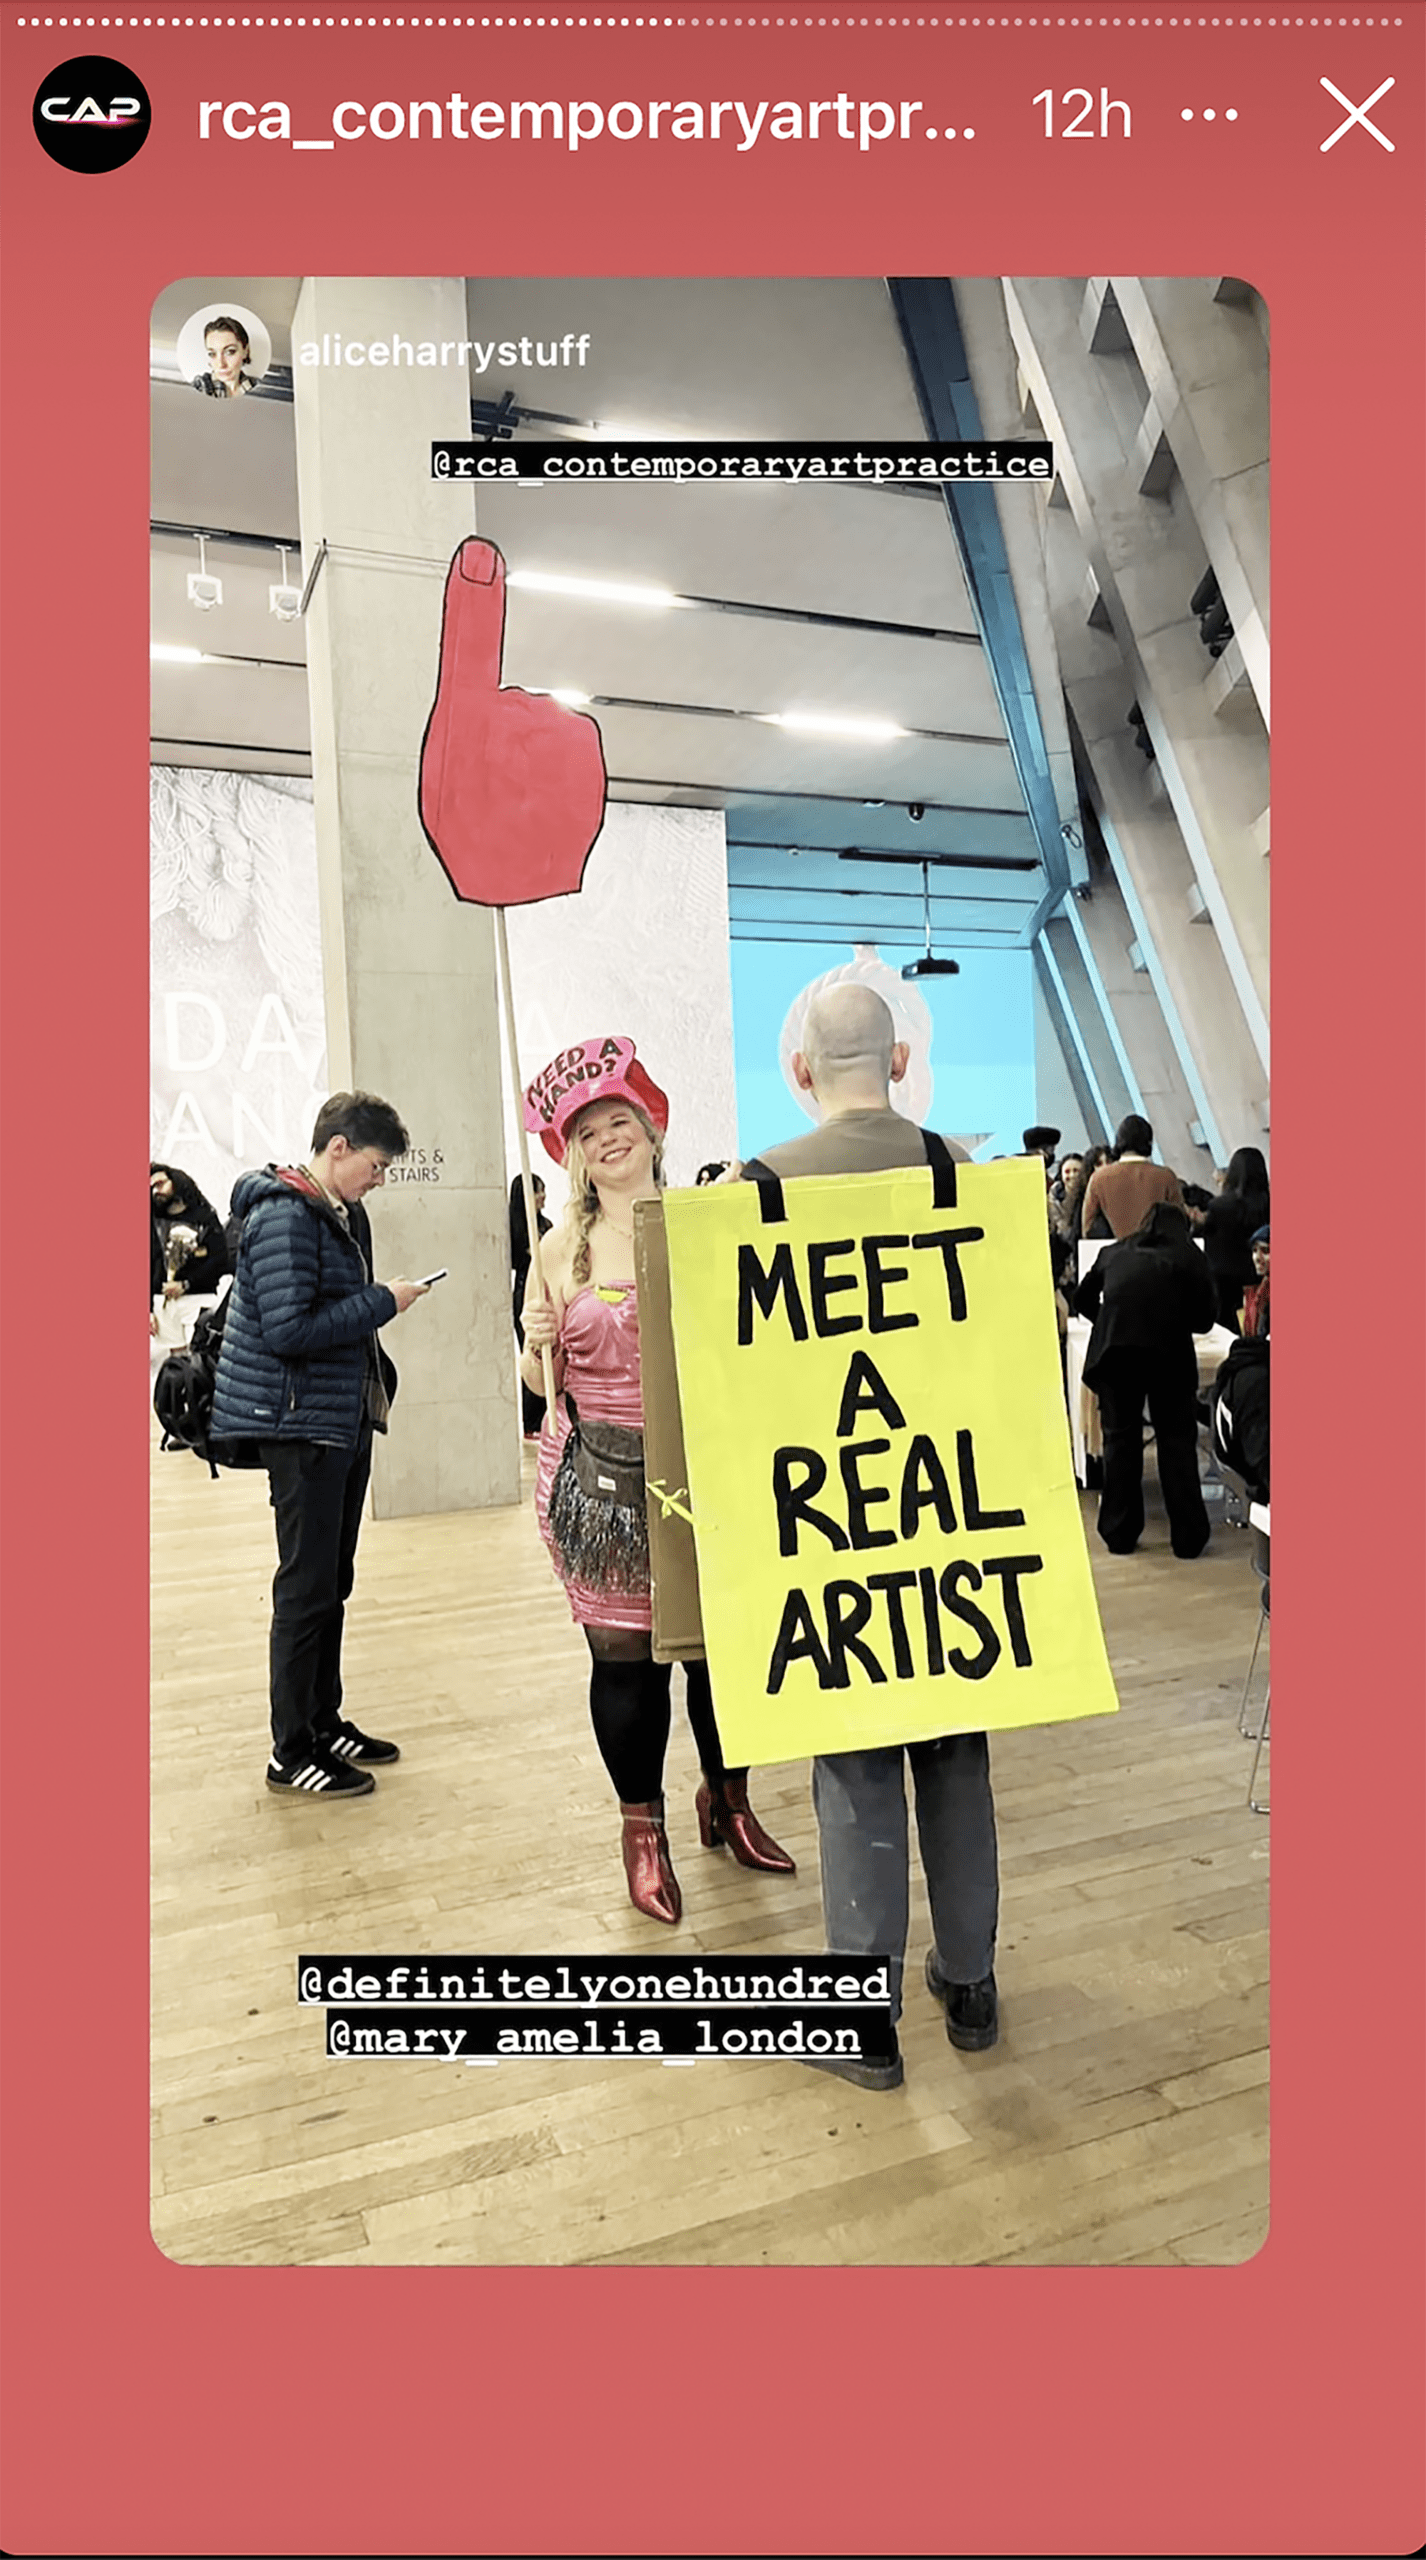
x=302 y=1383
x=1241 y=1412
x=1228 y=1226
x=1149 y=1296
x=532 y=1406
x=176 y=1201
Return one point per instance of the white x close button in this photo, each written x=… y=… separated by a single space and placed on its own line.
x=1358 y=115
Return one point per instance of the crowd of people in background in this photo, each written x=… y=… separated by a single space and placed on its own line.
x=1102 y=1194
x=1178 y=1261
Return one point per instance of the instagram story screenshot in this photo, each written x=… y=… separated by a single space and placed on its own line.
x=647 y=1903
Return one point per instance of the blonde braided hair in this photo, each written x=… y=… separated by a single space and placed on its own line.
x=583 y=1210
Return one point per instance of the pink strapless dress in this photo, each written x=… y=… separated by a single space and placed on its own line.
x=600 y=1342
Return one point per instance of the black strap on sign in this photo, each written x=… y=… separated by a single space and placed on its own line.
x=770 y=1199
x=943 y=1167
x=938 y=1157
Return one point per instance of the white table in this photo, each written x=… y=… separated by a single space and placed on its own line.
x=1086 y=1437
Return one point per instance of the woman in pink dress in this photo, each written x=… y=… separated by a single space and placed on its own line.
x=612 y=1151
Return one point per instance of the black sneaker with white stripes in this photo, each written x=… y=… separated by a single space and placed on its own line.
x=350 y=1743
x=319 y=1776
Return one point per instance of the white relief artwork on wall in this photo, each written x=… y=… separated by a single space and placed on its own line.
x=909 y=1012
x=642 y=950
x=237 y=1032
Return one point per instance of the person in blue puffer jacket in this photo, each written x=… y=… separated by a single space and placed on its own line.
x=303 y=1381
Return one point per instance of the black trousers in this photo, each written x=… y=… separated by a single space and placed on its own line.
x=317 y=1495
x=1167 y=1381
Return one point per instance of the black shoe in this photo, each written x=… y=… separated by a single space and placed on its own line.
x=350 y=1743
x=972 y=2009
x=881 y=2068
x=319 y=1776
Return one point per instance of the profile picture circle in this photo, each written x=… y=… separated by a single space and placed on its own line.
x=91 y=113
x=224 y=349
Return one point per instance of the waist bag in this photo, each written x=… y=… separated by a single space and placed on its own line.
x=598 y=1521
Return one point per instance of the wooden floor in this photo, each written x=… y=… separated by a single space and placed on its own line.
x=1122 y=2119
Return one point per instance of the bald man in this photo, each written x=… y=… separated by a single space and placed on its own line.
x=849 y=1060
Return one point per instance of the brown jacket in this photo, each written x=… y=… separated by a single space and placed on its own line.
x=875 y=1141
x=1125 y=1192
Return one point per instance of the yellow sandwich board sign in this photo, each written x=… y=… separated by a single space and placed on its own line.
x=889 y=1540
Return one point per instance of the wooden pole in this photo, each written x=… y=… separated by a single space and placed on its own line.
x=532 y=1223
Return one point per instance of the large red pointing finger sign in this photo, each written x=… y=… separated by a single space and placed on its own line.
x=512 y=784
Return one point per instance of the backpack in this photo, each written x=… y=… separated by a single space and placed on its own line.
x=183 y=1389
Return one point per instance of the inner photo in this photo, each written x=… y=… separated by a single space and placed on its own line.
x=709 y=1306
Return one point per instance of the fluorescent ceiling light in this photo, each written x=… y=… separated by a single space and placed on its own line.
x=825 y=724
x=598 y=590
x=564 y=693
x=179 y=657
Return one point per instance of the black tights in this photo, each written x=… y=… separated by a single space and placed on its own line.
x=629 y=1703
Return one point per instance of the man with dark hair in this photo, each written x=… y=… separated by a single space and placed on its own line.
x=302 y=1384
x=849 y=1058
x=1122 y=1192
x=184 y=1231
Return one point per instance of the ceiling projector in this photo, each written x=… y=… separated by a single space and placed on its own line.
x=928 y=966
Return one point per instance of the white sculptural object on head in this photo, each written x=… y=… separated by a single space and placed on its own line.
x=909 y=1011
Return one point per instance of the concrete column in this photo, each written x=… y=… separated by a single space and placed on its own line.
x=410 y=975
x=1063 y=1098
x=1143 y=542
x=1205 y=362
x=1130 y=979
x=1179 y=1021
x=1086 y=1002
x=1183 y=952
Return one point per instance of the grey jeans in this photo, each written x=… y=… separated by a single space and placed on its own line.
x=860 y=1797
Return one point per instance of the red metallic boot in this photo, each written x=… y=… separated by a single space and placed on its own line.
x=726 y=1819
x=653 y=1886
